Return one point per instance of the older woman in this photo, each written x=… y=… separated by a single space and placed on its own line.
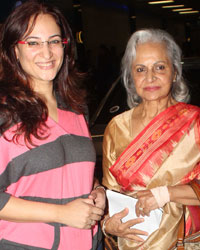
x=47 y=196
x=152 y=151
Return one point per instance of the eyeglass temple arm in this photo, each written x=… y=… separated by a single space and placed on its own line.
x=22 y=42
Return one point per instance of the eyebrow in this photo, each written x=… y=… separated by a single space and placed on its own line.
x=36 y=37
x=140 y=64
x=160 y=62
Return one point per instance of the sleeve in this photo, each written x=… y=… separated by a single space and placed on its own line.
x=4 y=176
x=195 y=184
x=109 y=157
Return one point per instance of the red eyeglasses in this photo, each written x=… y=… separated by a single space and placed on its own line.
x=52 y=43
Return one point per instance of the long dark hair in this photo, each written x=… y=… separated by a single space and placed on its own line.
x=18 y=102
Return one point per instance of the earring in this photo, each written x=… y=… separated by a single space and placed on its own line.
x=175 y=78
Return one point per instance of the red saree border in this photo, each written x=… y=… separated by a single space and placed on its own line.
x=161 y=135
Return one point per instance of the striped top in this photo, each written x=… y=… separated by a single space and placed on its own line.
x=59 y=170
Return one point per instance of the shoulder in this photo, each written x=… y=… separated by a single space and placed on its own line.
x=122 y=119
x=188 y=107
x=119 y=125
x=65 y=106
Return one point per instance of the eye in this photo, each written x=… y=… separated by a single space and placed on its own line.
x=160 y=67
x=55 y=42
x=33 y=43
x=140 y=69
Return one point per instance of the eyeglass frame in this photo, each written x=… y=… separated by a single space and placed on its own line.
x=64 y=41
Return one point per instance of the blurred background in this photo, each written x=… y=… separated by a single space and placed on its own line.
x=102 y=28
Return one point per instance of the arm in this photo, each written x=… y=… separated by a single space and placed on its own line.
x=79 y=213
x=113 y=225
x=109 y=157
x=183 y=194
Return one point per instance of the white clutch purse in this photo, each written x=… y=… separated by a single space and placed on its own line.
x=117 y=202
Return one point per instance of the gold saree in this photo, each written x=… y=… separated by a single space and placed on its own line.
x=166 y=152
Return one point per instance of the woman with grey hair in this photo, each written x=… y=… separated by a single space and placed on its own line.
x=151 y=152
x=179 y=89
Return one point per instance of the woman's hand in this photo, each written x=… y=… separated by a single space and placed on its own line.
x=115 y=227
x=99 y=197
x=146 y=202
x=80 y=213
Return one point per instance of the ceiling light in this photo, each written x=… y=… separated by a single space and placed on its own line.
x=186 y=9
x=172 y=6
x=189 y=12
x=161 y=2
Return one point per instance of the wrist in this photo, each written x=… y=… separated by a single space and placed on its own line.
x=100 y=187
x=161 y=195
x=58 y=213
x=104 y=227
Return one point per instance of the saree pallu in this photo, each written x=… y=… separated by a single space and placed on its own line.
x=166 y=152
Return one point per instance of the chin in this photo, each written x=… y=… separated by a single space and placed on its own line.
x=49 y=77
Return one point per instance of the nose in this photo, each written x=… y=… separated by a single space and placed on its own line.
x=46 y=51
x=150 y=76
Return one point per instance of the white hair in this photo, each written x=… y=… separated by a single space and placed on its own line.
x=179 y=91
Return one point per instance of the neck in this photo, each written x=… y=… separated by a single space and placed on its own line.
x=44 y=90
x=150 y=109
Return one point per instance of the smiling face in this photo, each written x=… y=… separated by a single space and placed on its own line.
x=152 y=71
x=41 y=65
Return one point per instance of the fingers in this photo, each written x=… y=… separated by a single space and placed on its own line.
x=138 y=209
x=115 y=226
x=99 y=198
x=122 y=214
x=138 y=231
x=146 y=203
x=94 y=209
x=134 y=238
x=131 y=223
x=129 y=226
x=143 y=193
x=95 y=217
x=90 y=224
x=94 y=213
x=133 y=234
x=79 y=213
x=90 y=200
x=92 y=196
x=141 y=211
x=97 y=211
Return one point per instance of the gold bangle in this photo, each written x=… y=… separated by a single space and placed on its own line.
x=99 y=186
x=104 y=227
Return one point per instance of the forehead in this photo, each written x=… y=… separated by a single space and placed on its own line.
x=152 y=51
x=44 y=24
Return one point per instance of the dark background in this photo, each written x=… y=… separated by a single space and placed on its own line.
x=102 y=28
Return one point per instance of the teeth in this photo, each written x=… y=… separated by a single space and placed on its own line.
x=46 y=64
